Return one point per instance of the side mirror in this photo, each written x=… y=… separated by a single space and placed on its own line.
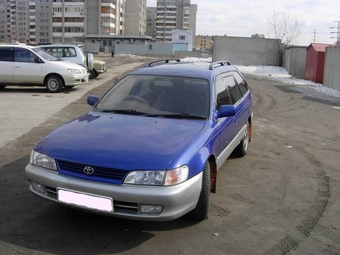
x=226 y=111
x=92 y=100
x=38 y=60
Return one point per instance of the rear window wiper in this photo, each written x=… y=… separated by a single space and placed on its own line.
x=178 y=116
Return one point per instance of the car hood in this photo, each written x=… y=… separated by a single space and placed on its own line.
x=117 y=141
x=66 y=64
x=99 y=62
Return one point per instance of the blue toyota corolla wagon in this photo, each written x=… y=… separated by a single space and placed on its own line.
x=151 y=146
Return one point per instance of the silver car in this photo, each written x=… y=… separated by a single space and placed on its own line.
x=28 y=65
x=75 y=54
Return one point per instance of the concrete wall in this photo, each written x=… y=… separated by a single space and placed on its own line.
x=194 y=54
x=146 y=49
x=331 y=76
x=294 y=60
x=246 y=51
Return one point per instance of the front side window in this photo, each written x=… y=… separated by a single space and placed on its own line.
x=222 y=95
x=165 y=96
x=233 y=89
x=241 y=83
x=23 y=55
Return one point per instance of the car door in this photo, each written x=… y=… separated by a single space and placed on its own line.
x=25 y=69
x=6 y=65
x=225 y=126
x=243 y=103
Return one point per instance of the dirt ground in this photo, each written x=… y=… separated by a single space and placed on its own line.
x=281 y=198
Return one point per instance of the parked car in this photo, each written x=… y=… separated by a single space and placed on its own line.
x=151 y=147
x=28 y=65
x=75 y=54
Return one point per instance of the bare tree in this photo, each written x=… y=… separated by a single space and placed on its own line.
x=285 y=26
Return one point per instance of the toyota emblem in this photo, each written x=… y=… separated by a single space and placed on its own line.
x=88 y=170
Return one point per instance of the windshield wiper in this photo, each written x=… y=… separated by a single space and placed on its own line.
x=178 y=116
x=124 y=111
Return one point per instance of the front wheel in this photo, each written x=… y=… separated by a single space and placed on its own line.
x=201 y=210
x=54 y=84
x=93 y=74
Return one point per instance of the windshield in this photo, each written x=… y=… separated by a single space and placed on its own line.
x=158 y=96
x=44 y=54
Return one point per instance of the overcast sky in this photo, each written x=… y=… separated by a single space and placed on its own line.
x=246 y=17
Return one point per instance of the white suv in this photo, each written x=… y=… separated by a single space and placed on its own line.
x=75 y=54
x=29 y=65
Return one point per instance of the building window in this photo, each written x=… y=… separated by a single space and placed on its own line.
x=182 y=37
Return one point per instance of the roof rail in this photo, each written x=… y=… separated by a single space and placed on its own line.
x=219 y=63
x=163 y=61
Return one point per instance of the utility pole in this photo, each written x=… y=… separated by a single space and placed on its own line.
x=314 y=35
x=337 y=33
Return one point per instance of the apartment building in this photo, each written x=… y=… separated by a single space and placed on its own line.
x=135 y=16
x=105 y=17
x=4 y=21
x=204 y=42
x=60 y=21
x=13 y=20
x=151 y=15
x=174 y=15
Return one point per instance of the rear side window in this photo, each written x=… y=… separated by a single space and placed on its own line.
x=57 y=52
x=6 y=54
x=61 y=52
x=70 y=52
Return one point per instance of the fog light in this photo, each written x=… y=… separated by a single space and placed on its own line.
x=38 y=187
x=151 y=208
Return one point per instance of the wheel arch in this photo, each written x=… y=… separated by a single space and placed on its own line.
x=213 y=173
x=54 y=74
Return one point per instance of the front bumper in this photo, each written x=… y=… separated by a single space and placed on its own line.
x=103 y=69
x=127 y=199
x=75 y=79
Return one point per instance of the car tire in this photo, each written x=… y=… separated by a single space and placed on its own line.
x=201 y=210
x=89 y=61
x=54 y=84
x=2 y=87
x=93 y=74
x=242 y=149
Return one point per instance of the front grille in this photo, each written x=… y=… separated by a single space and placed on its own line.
x=102 y=174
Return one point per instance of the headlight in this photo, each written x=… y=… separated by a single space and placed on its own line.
x=42 y=160
x=74 y=71
x=145 y=177
x=166 y=178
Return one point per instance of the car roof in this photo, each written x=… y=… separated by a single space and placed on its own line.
x=205 y=70
x=18 y=45
x=59 y=45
